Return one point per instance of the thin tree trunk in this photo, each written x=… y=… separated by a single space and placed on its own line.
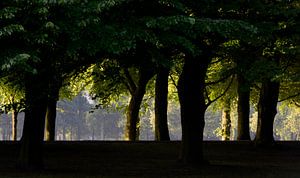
x=50 y=120
x=190 y=91
x=31 y=153
x=3 y=130
x=1 y=133
x=134 y=106
x=267 y=109
x=14 y=124
x=64 y=132
x=226 y=121
x=138 y=128
x=93 y=134
x=243 y=109
x=78 y=132
x=102 y=131
x=161 y=105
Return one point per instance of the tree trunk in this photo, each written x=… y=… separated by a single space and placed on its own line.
x=54 y=87
x=161 y=105
x=138 y=128
x=102 y=131
x=78 y=132
x=134 y=106
x=190 y=91
x=267 y=109
x=31 y=153
x=14 y=125
x=243 y=109
x=226 y=121
x=50 y=120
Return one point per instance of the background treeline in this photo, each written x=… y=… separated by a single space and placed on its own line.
x=108 y=123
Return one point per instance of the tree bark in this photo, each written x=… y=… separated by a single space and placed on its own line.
x=50 y=120
x=226 y=121
x=132 y=123
x=191 y=97
x=161 y=105
x=243 y=109
x=14 y=125
x=31 y=151
x=54 y=87
x=267 y=109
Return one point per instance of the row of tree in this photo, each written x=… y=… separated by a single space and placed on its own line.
x=210 y=50
x=108 y=124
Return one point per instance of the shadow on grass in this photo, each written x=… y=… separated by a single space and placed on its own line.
x=152 y=159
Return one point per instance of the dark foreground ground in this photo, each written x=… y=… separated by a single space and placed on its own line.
x=150 y=159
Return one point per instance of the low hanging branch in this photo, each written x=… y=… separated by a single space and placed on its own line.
x=289 y=97
x=296 y=104
x=173 y=81
x=217 y=61
x=218 y=81
x=221 y=95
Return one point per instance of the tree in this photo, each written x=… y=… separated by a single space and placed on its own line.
x=41 y=33
x=12 y=102
x=278 y=51
x=145 y=74
x=192 y=88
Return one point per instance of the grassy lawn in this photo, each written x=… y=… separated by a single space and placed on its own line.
x=150 y=159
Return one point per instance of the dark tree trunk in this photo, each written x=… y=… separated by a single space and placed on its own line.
x=53 y=97
x=226 y=121
x=161 y=105
x=14 y=125
x=134 y=106
x=50 y=120
x=31 y=153
x=243 y=109
x=190 y=91
x=267 y=109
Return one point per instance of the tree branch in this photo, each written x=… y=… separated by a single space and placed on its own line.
x=217 y=61
x=173 y=81
x=130 y=83
x=218 y=81
x=289 y=97
x=297 y=104
x=225 y=91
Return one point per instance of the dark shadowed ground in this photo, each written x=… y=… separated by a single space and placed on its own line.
x=150 y=159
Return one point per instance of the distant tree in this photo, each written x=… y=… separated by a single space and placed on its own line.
x=226 y=121
x=12 y=102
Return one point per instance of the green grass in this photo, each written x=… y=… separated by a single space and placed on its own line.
x=150 y=159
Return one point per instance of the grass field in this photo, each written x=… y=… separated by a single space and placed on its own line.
x=151 y=159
